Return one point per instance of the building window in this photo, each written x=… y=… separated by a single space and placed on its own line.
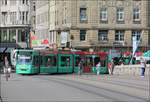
x=4 y=35
x=120 y=14
x=20 y=15
x=136 y=14
x=23 y=1
x=83 y=14
x=82 y=35
x=103 y=35
x=136 y=33
x=34 y=6
x=23 y=16
x=26 y=17
x=26 y=2
x=4 y=17
x=119 y=35
x=103 y=16
x=12 y=35
x=4 y=2
x=13 y=17
x=21 y=35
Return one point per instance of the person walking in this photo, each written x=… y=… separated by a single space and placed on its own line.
x=80 y=67
x=143 y=66
x=112 y=66
x=109 y=67
x=98 y=67
x=7 y=68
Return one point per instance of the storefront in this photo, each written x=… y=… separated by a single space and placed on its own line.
x=10 y=38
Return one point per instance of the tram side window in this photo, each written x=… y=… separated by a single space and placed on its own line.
x=65 y=61
x=89 y=61
x=50 y=60
x=77 y=60
x=96 y=61
x=46 y=60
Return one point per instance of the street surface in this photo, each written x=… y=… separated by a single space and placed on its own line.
x=71 y=87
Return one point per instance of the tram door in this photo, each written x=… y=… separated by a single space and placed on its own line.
x=36 y=64
x=77 y=60
x=87 y=65
x=50 y=64
x=90 y=63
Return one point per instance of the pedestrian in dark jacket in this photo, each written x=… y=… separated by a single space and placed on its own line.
x=143 y=66
x=80 y=67
x=112 y=66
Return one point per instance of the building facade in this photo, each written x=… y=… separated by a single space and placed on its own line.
x=33 y=16
x=14 y=24
x=42 y=22
x=98 y=25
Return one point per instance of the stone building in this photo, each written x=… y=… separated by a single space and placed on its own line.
x=33 y=16
x=14 y=25
x=96 y=25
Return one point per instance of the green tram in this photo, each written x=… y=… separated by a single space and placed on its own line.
x=24 y=62
x=51 y=61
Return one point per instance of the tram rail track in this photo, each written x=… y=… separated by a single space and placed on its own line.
x=74 y=84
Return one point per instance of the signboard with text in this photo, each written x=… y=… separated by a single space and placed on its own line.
x=64 y=37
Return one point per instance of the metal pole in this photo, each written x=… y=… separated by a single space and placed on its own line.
x=137 y=46
x=93 y=64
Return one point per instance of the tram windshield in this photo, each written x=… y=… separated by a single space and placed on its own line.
x=24 y=59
